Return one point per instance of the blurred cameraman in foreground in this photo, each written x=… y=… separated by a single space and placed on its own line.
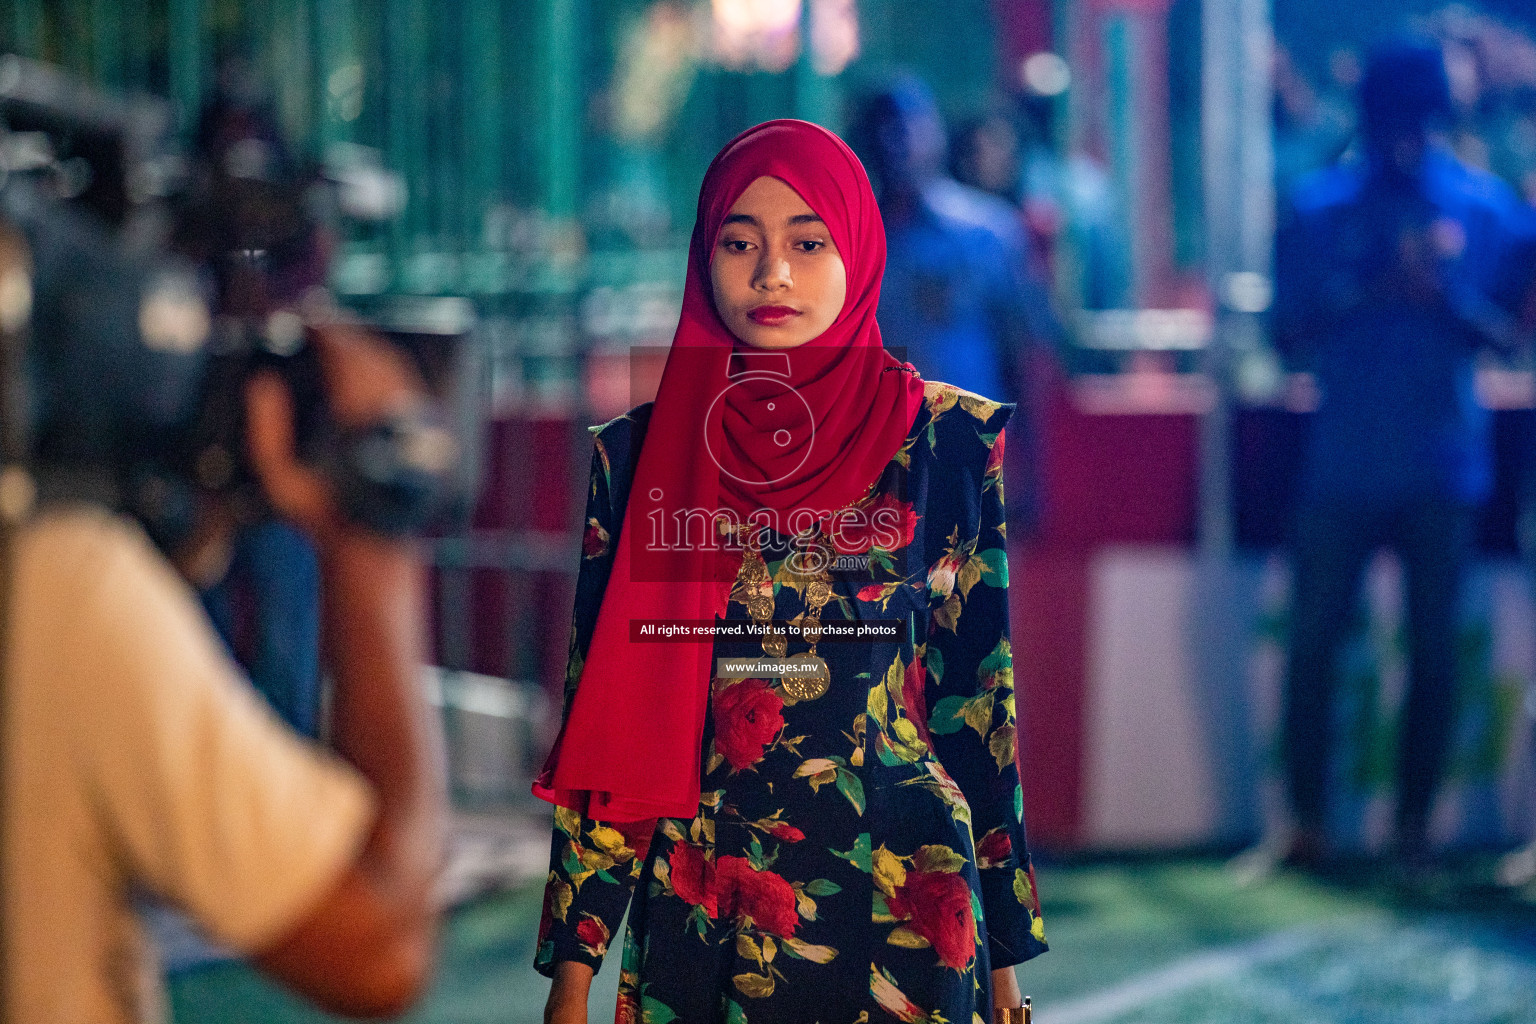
x=137 y=758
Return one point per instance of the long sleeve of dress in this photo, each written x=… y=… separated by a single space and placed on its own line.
x=972 y=720
x=593 y=865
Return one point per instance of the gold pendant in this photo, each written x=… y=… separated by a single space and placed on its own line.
x=776 y=643
x=806 y=677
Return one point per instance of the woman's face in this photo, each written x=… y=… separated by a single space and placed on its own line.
x=779 y=280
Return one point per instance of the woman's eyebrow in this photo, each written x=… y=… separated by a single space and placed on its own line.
x=747 y=218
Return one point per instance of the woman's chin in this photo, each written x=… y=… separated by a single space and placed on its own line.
x=770 y=338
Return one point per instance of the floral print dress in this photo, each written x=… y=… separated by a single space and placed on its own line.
x=856 y=857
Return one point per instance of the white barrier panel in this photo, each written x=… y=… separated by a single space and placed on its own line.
x=1185 y=666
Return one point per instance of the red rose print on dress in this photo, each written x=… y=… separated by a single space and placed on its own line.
x=761 y=895
x=993 y=849
x=938 y=904
x=763 y=868
x=593 y=935
x=887 y=523
x=787 y=832
x=693 y=877
x=747 y=719
x=944 y=573
x=595 y=541
x=915 y=699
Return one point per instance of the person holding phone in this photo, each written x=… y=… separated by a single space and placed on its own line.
x=1393 y=272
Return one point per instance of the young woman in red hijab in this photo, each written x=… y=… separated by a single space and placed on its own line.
x=789 y=713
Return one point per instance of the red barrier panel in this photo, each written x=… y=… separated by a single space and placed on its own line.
x=1116 y=472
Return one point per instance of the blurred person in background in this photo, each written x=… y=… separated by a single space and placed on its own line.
x=1078 y=245
x=960 y=301
x=984 y=153
x=138 y=759
x=1392 y=272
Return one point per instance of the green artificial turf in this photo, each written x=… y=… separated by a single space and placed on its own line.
x=1147 y=942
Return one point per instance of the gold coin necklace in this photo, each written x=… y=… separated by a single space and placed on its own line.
x=804 y=676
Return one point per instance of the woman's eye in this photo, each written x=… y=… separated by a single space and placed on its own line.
x=810 y=245
x=736 y=244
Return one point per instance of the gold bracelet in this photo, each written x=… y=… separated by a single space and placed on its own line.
x=1012 y=1014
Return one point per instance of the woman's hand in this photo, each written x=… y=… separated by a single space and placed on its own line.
x=567 y=1002
x=1005 y=988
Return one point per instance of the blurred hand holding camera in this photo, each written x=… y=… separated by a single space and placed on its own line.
x=378 y=927
x=366 y=381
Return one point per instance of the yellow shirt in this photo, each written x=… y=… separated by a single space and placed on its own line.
x=137 y=757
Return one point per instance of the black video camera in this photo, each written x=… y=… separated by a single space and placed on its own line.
x=131 y=375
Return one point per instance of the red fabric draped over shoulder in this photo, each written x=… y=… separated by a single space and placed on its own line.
x=803 y=431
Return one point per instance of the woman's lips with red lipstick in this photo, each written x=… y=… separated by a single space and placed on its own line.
x=772 y=316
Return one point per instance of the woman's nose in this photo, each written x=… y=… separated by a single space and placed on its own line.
x=773 y=272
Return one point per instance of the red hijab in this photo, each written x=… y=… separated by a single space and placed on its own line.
x=721 y=441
